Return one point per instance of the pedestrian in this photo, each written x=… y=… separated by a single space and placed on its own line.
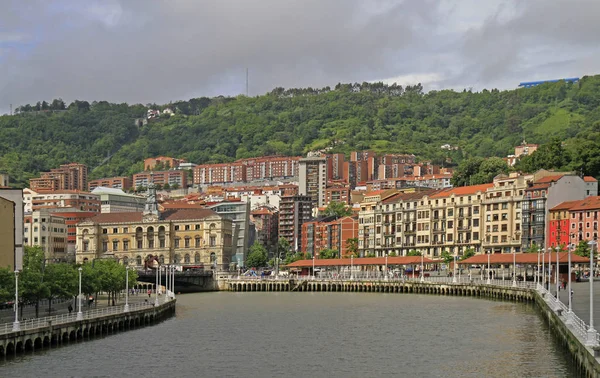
x=571 y=294
x=70 y=308
x=149 y=293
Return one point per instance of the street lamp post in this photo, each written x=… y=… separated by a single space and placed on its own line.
x=537 y=270
x=167 y=283
x=126 y=308
x=173 y=281
x=313 y=271
x=557 y=276
x=422 y=270
x=454 y=269
x=352 y=266
x=157 y=283
x=543 y=275
x=515 y=269
x=489 y=280
x=16 y=325
x=591 y=333
x=79 y=313
x=549 y=268
x=386 y=267
x=570 y=311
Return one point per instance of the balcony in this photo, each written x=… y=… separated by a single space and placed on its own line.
x=439 y=230
x=409 y=232
x=500 y=199
x=464 y=241
x=463 y=228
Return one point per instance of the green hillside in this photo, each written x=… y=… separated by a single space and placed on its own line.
x=294 y=121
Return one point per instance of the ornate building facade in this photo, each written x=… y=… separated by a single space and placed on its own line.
x=189 y=237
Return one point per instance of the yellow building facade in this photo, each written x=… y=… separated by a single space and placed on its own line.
x=7 y=233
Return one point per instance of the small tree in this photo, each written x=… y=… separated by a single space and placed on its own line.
x=468 y=254
x=61 y=280
x=328 y=254
x=447 y=257
x=413 y=253
x=533 y=248
x=583 y=249
x=352 y=247
x=392 y=254
x=338 y=209
x=257 y=257
x=166 y=186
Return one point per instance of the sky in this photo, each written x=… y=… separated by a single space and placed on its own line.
x=146 y=51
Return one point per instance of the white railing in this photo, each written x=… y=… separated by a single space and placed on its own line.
x=67 y=318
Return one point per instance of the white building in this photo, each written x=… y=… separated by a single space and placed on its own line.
x=47 y=231
x=117 y=201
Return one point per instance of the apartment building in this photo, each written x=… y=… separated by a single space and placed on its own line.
x=239 y=213
x=312 y=179
x=123 y=183
x=72 y=176
x=333 y=234
x=574 y=221
x=294 y=211
x=337 y=193
x=370 y=222
x=47 y=230
x=173 y=178
x=211 y=174
x=335 y=166
x=246 y=170
x=266 y=222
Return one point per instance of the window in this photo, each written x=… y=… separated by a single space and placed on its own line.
x=125 y=230
x=186 y=258
x=104 y=246
x=177 y=242
x=176 y=227
x=105 y=230
x=115 y=245
x=86 y=246
x=197 y=227
x=476 y=222
x=35 y=240
x=187 y=242
x=475 y=235
x=504 y=228
x=187 y=227
x=115 y=230
x=450 y=224
x=197 y=258
x=504 y=205
x=138 y=260
x=197 y=242
x=504 y=216
x=213 y=257
x=450 y=212
x=161 y=243
x=125 y=245
x=213 y=241
x=139 y=244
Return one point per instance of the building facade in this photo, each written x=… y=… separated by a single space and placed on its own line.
x=190 y=237
x=294 y=211
x=72 y=176
x=117 y=201
x=334 y=234
x=312 y=179
x=266 y=223
x=174 y=178
x=164 y=161
x=239 y=213
x=48 y=231
x=123 y=183
x=11 y=249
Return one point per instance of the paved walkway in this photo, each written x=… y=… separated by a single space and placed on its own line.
x=581 y=300
x=8 y=315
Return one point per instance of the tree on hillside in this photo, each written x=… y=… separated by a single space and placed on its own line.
x=551 y=155
x=475 y=171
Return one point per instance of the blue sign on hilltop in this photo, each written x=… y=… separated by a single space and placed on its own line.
x=529 y=84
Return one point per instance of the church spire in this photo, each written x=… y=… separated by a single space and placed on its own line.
x=151 y=206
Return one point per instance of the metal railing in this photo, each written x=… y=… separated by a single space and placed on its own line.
x=67 y=318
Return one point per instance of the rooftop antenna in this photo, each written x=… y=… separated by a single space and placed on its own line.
x=246 y=81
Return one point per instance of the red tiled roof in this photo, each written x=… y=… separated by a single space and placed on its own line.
x=398 y=260
x=410 y=196
x=590 y=203
x=549 y=179
x=463 y=190
x=538 y=186
x=524 y=258
x=589 y=179
x=567 y=205
x=168 y=215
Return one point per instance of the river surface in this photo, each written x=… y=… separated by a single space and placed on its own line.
x=228 y=334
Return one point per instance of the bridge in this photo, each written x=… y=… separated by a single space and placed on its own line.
x=185 y=282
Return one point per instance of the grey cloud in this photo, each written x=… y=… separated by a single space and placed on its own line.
x=157 y=51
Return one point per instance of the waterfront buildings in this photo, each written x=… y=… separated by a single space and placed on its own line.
x=11 y=228
x=71 y=176
x=239 y=213
x=246 y=170
x=117 y=201
x=123 y=183
x=180 y=236
x=71 y=200
x=312 y=179
x=266 y=223
x=508 y=215
x=329 y=234
x=574 y=221
x=47 y=230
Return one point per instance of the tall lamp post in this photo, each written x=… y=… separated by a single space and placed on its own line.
x=157 y=283
x=570 y=311
x=515 y=269
x=537 y=270
x=126 y=308
x=313 y=271
x=454 y=268
x=489 y=279
x=543 y=276
x=79 y=313
x=557 y=276
x=591 y=333
x=386 y=267
x=352 y=266
x=16 y=325
x=549 y=268
x=422 y=269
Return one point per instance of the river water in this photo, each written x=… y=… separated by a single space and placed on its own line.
x=228 y=334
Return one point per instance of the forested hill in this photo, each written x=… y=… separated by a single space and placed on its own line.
x=294 y=121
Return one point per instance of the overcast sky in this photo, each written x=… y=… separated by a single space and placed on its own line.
x=141 y=51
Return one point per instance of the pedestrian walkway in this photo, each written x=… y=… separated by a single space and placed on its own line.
x=61 y=308
x=581 y=300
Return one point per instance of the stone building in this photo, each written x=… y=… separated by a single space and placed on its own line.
x=177 y=236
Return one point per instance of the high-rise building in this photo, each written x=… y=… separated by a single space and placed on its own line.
x=49 y=231
x=173 y=178
x=123 y=183
x=239 y=213
x=312 y=179
x=72 y=176
x=294 y=211
x=266 y=222
x=333 y=234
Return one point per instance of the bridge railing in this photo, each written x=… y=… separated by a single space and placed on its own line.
x=67 y=318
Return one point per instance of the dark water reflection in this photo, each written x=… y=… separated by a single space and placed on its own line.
x=320 y=335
